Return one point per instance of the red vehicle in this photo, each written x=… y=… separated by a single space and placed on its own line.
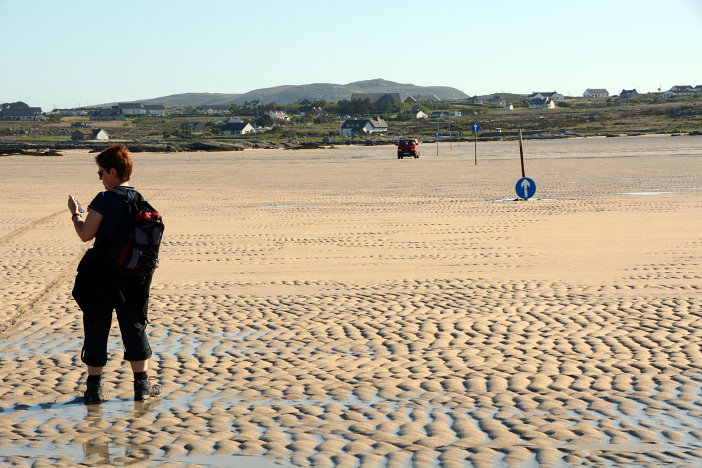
x=407 y=147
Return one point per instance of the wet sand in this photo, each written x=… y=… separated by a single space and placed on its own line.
x=341 y=307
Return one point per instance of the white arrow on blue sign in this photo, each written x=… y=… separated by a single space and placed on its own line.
x=437 y=135
x=525 y=188
x=475 y=127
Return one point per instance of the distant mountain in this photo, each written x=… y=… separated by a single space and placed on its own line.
x=288 y=94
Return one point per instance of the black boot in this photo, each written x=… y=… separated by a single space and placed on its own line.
x=144 y=389
x=93 y=393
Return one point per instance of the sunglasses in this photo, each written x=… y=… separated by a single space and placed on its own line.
x=100 y=173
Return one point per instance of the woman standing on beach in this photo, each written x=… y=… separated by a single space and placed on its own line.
x=99 y=289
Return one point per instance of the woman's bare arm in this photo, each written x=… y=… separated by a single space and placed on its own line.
x=86 y=229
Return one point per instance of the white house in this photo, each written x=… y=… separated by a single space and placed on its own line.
x=509 y=107
x=71 y=112
x=157 y=110
x=281 y=115
x=100 y=134
x=89 y=134
x=455 y=113
x=537 y=103
x=423 y=98
x=553 y=95
x=131 y=108
x=595 y=93
x=213 y=109
x=237 y=128
x=416 y=114
x=379 y=125
x=366 y=126
x=678 y=90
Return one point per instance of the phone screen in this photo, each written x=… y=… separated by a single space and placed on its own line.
x=80 y=208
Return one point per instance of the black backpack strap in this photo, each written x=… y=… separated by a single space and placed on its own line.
x=128 y=193
x=130 y=197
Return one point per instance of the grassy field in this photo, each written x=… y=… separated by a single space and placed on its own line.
x=586 y=117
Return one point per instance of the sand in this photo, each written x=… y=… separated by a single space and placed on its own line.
x=340 y=307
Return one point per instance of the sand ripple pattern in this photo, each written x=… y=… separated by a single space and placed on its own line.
x=427 y=374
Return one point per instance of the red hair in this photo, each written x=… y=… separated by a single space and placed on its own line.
x=116 y=157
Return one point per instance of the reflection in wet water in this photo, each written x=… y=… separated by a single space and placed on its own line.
x=115 y=433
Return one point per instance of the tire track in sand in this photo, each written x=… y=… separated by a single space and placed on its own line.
x=28 y=309
x=18 y=232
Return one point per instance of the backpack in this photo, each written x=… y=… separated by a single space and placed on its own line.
x=133 y=250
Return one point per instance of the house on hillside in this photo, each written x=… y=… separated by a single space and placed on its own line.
x=423 y=98
x=89 y=134
x=280 y=115
x=131 y=108
x=22 y=114
x=233 y=119
x=417 y=114
x=437 y=114
x=137 y=108
x=553 y=95
x=213 y=109
x=628 y=94
x=363 y=127
x=71 y=112
x=375 y=98
x=488 y=99
x=156 y=110
x=595 y=93
x=379 y=125
x=240 y=128
x=106 y=113
x=538 y=103
x=679 y=90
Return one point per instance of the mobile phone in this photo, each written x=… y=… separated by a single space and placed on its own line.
x=80 y=208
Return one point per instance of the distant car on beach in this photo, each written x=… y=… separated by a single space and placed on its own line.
x=407 y=147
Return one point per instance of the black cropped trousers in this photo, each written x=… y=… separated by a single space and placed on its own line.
x=98 y=291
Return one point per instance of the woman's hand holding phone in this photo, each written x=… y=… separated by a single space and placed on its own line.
x=73 y=204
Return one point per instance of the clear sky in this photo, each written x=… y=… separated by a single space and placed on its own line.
x=71 y=52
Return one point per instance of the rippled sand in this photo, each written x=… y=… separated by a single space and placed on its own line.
x=341 y=307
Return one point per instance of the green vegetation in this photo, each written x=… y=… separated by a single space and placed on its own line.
x=321 y=121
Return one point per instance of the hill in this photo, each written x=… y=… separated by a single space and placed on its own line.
x=288 y=94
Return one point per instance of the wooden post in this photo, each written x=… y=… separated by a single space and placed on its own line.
x=437 y=136
x=476 y=147
x=521 y=152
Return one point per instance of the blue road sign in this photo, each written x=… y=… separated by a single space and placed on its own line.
x=437 y=135
x=475 y=127
x=525 y=188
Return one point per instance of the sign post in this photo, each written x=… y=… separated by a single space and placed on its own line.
x=450 y=136
x=476 y=128
x=437 y=137
x=526 y=187
x=521 y=152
